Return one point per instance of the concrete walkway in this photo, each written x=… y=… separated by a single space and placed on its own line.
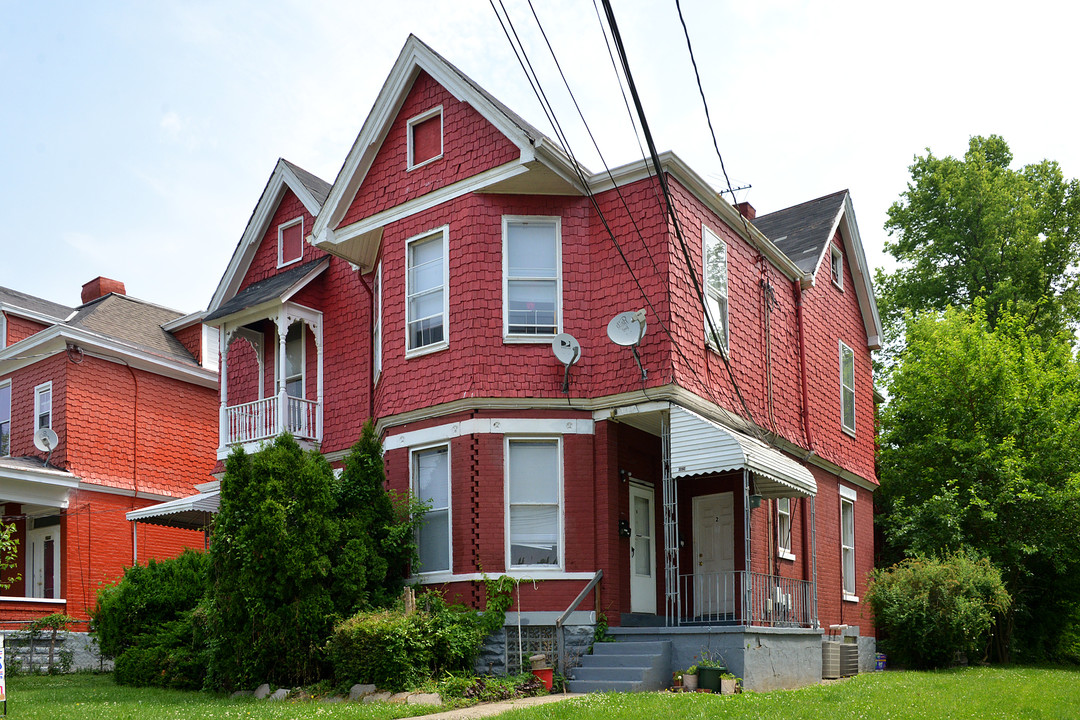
x=497 y=708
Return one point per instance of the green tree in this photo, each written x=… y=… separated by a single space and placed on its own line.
x=9 y=556
x=979 y=451
x=976 y=228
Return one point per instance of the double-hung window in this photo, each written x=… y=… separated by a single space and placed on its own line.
x=431 y=484
x=714 y=254
x=43 y=406
x=847 y=540
x=783 y=528
x=534 y=501
x=5 y=419
x=847 y=388
x=531 y=277
x=425 y=291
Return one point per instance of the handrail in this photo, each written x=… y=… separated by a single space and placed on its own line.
x=560 y=633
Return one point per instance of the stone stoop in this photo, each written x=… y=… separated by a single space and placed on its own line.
x=623 y=667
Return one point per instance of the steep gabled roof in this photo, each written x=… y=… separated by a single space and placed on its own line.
x=34 y=306
x=133 y=322
x=311 y=191
x=274 y=287
x=804 y=231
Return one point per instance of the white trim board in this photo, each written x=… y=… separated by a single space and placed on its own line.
x=489 y=426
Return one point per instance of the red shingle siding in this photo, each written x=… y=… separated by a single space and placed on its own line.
x=23 y=382
x=19 y=328
x=470 y=145
x=191 y=339
x=265 y=262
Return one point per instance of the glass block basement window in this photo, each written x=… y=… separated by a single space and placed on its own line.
x=535 y=639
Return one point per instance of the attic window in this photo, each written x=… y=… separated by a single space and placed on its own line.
x=425 y=138
x=290 y=241
x=836 y=266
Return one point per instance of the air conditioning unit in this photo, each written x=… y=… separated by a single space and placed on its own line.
x=839 y=659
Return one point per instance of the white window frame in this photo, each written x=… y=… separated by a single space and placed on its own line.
x=721 y=300
x=7 y=384
x=846 y=389
x=376 y=323
x=783 y=515
x=38 y=392
x=560 y=514
x=835 y=256
x=507 y=221
x=303 y=361
x=444 y=233
x=33 y=542
x=414 y=452
x=281 y=261
x=847 y=544
x=416 y=120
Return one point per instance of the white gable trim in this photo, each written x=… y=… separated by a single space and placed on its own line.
x=415 y=57
x=283 y=177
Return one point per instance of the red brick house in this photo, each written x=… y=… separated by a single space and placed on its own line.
x=715 y=479
x=129 y=390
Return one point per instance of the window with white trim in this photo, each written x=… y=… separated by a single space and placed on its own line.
x=531 y=276
x=425 y=291
x=836 y=266
x=425 y=138
x=43 y=406
x=847 y=540
x=847 y=388
x=290 y=241
x=431 y=484
x=534 y=502
x=376 y=321
x=783 y=528
x=714 y=259
x=5 y=418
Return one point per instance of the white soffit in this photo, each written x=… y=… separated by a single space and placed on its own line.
x=703 y=447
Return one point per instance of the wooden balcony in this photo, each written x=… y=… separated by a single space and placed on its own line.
x=261 y=420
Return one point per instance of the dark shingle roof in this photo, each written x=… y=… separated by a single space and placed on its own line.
x=318 y=187
x=802 y=231
x=133 y=322
x=264 y=290
x=34 y=304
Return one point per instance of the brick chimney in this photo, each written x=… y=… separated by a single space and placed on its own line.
x=99 y=287
x=746 y=210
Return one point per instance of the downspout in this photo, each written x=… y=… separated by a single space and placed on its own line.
x=371 y=346
x=802 y=367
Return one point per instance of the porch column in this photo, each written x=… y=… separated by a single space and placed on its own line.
x=282 y=324
x=747 y=587
x=317 y=332
x=671 y=528
x=223 y=383
x=813 y=560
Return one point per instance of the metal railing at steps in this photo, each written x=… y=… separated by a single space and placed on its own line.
x=560 y=630
x=745 y=598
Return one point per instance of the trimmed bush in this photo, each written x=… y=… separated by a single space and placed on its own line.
x=174 y=657
x=146 y=598
x=932 y=609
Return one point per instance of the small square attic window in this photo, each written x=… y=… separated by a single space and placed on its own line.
x=290 y=241
x=836 y=266
x=425 y=138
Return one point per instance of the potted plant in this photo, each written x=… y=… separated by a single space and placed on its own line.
x=729 y=684
x=676 y=679
x=710 y=667
x=690 y=679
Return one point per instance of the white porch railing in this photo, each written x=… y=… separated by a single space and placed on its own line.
x=264 y=419
x=745 y=598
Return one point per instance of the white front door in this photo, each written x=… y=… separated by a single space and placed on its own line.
x=642 y=550
x=714 y=555
x=43 y=563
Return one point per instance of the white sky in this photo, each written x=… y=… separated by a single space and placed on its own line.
x=136 y=137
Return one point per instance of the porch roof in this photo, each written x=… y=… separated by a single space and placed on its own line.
x=190 y=513
x=701 y=447
x=276 y=287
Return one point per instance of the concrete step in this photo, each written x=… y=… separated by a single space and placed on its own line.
x=595 y=686
x=623 y=667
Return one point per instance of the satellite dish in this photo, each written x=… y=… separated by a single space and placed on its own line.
x=566 y=348
x=45 y=439
x=567 y=351
x=627 y=328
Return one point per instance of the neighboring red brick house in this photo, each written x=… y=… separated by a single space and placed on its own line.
x=123 y=385
x=723 y=486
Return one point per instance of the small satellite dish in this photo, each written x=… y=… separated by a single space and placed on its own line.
x=45 y=439
x=567 y=351
x=627 y=328
x=566 y=348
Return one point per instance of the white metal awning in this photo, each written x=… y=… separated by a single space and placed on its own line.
x=190 y=513
x=703 y=447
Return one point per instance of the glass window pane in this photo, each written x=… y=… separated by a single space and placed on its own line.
x=531 y=249
x=715 y=264
x=534 y=535
x=434 y=541
x=531 y=306
x=534 y=472
x=5 y=403
x=432 y=474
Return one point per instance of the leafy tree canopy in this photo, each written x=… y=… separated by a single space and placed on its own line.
x=979 y=452
x=976 y=228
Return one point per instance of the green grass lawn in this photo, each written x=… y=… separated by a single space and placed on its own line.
x=983 y=693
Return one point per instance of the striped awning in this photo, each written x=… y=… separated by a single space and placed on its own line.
x=194 y=512
x=703 y=447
